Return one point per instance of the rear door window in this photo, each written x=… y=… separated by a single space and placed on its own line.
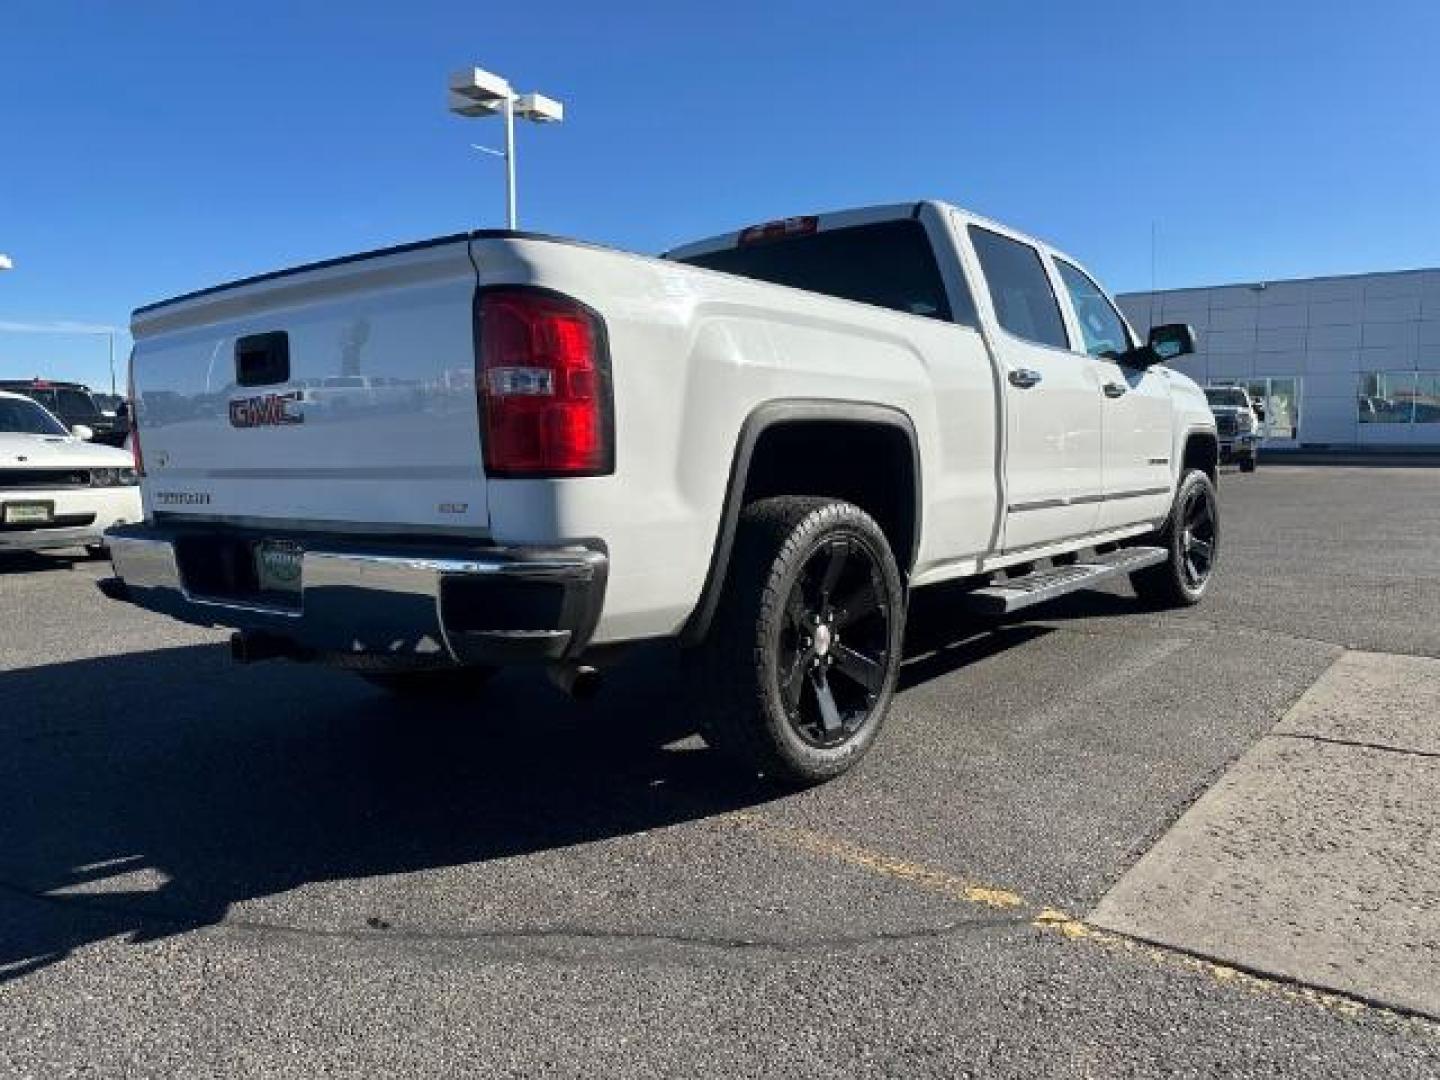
x=1025 y=304
x=889 y=264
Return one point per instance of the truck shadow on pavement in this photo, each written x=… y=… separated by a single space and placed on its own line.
x=144 y=795
x=29 y=562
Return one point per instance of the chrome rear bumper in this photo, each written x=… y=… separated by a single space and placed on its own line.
x=46 y=539
x=373 y=603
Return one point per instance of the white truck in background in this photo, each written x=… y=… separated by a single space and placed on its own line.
x=1237 y=424
x=757 y=444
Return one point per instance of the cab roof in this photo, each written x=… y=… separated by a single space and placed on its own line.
x=841 y=219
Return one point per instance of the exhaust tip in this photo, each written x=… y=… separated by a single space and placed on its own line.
x=579 y=681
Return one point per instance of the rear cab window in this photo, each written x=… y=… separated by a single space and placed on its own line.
x=890 y=264
x=42 y=397
x=1020 y=290
x=76 y=403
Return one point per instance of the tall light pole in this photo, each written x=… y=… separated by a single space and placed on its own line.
x=476 y=92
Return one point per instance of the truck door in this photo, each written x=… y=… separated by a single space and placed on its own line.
x=1137 y=414
x=1052 y=399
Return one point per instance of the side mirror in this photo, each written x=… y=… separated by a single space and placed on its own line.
x=1259 y=408
x=83 y=433
x=1171 y=340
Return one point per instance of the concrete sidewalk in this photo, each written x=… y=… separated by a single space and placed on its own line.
x=1317 y=856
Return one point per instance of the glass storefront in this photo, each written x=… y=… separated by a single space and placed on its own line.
x=1399 y=397
x=1280 y=397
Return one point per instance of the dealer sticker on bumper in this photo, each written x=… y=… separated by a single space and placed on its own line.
x=35 y=513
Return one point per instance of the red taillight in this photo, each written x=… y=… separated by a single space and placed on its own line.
x=134 y=422
x=543 y=382
x=778 y=230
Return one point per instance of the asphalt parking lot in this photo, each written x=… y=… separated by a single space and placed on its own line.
x=275 y=870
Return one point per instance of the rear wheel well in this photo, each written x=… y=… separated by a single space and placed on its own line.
x=1202 y=451
x=871 y=465
x=858 y=452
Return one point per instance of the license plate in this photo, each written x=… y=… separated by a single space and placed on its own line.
x=28 y=513
x=277 y=565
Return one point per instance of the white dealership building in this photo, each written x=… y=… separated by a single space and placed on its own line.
x=1350 y=361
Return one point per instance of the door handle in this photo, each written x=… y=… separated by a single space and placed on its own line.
x=1024 y=378
x=1114 y=390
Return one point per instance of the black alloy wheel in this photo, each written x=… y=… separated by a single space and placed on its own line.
x=834 y=645
x=1199 y=534
x=795 y=675
x=1191 y=539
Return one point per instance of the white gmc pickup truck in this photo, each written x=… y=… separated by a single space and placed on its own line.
x=757 y=444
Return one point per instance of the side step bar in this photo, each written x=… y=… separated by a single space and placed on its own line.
x=1040 y=585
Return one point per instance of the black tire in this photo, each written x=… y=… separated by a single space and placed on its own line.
x=1191 y=537
x=1249 y=461
x=97 y=552
x=779 y=691
x=454 y=682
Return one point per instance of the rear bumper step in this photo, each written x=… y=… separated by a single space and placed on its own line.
x=42 y=539
x=377 y=605
x=1039 y=586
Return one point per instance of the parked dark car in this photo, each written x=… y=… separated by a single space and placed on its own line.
x=73 y=404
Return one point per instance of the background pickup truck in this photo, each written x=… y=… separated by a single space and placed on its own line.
x=1237 y=423
x=757 y=444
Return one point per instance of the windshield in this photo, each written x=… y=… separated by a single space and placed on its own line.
x=1226 y=397
x=24 y=417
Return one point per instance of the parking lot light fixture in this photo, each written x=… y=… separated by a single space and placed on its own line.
x=475 y=92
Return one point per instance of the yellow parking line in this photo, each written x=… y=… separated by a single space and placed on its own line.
x=927 y=877
x=1049 y=919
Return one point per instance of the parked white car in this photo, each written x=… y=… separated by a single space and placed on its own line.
x=56 y=489
x=757 y=445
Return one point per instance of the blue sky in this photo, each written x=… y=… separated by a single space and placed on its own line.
x=148 y=148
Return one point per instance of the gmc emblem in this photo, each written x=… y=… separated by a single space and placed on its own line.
x=267 y=410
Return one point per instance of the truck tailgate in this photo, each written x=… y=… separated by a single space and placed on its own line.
x=337 y=396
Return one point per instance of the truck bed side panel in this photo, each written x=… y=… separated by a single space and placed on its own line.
x=694 y=352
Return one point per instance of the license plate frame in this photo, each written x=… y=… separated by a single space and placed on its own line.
x=279 y=566
x=32 y=512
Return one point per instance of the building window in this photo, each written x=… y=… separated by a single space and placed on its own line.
x=1399 y=397
x=1427 y=397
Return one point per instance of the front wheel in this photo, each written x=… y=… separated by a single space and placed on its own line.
x=796 y=674
x=1249 y=461
x=1191 y=539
